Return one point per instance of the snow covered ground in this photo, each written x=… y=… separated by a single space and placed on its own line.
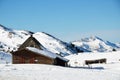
x=108 y=71
x=49 y=72
x=79 y=59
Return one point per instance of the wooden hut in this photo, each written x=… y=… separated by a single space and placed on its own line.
x=31 y=42
x=31 y=51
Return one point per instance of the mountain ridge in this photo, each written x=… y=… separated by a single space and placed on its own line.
x=10 y=40
x=95 y=44
x=14 y=38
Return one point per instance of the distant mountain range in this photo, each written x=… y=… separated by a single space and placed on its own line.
x=10 y=40
x=96 y=44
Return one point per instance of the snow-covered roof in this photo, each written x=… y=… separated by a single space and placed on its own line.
x=45 y=53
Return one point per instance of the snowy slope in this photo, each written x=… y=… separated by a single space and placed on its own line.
x=53 y=44
x=11 y=39
x=95 y=44
x=79 y=59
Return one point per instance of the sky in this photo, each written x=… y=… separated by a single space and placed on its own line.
x=68 y=20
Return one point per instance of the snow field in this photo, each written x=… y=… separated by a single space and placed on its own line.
x=79 y=60
x=49 y=72
x=109 y=71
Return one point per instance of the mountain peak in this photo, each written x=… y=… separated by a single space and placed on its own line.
x=95 y=43
x=96 y=37
x=91 y=38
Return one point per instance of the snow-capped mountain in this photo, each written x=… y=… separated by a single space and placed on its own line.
x=95 y=44
x=12 y=39
x=53 y=44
